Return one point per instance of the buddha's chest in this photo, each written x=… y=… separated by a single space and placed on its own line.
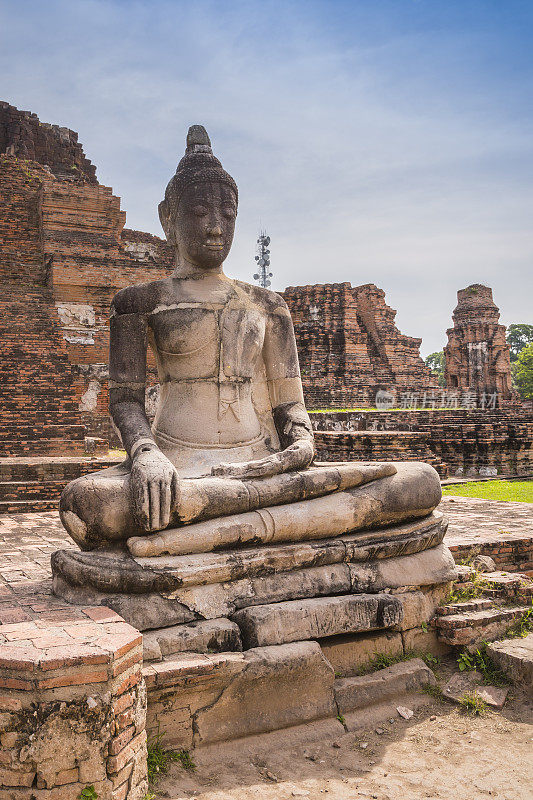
x=194 y=340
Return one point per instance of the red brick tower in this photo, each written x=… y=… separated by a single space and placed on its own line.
x=477 y=354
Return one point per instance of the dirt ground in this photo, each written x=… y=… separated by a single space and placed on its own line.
x=441 y=753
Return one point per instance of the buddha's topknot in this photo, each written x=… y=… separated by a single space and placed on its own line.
x=197 y=165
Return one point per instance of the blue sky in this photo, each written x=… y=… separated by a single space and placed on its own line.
x=383 y=141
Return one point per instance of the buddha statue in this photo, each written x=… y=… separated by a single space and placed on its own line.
x=228 y=460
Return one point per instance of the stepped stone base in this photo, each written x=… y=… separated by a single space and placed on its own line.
x=161 y=592
x=198 y=700
x=251 y=640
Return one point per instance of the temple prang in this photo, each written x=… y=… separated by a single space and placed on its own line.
x=477 y=354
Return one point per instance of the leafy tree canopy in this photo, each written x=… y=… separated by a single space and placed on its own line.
x=523 y=372
x=518 y=337
x=435 y=362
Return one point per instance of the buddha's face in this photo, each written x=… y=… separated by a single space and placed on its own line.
x=205 y=223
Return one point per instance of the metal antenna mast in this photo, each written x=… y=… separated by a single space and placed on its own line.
x=263 y=260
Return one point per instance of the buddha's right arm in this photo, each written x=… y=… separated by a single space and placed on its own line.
x=127 y=380
x=153 y=479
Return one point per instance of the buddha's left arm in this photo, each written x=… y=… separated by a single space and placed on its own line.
x=283 y=380
x=286 y=398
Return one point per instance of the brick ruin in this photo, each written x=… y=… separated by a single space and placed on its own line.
x=457 y=442
x=477 y=354
x=349 y=346
x=63 y=255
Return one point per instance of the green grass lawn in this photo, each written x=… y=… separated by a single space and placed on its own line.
x=518 y=491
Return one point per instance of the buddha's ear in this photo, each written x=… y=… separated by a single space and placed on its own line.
x=164 y=218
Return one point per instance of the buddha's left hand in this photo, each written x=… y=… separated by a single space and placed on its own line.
x=297 y=456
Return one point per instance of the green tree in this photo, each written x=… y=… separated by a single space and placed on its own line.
x=523 y=372
x=518 y=337
x=435 y=362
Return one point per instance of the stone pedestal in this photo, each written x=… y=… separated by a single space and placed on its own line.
x=254 y=639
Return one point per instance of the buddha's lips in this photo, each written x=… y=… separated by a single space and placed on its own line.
x=215 y=246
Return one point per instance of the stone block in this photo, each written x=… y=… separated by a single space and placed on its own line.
x=419 y=607
x=215 y=636
x=230 y=695
x=418 y=640
x=348 y=653
x=420 y=569
x=278 y=687
x=469 y=683
x=515 y=658
x=375 y=688
x=316 y=618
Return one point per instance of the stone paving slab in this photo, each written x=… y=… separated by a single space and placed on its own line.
x=27 y=541
x=473 y=521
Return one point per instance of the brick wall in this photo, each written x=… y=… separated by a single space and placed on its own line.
x=349 y=346
x=38 y=409
x=63 y=255
x=459 y=441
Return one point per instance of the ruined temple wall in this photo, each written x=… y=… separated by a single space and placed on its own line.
x=63 y=255
x=456 y=442
x=349 y=346
x=22 y=134
x=91 y=259
x=38 y=409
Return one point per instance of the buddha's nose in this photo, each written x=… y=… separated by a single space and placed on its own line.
x=214 y=230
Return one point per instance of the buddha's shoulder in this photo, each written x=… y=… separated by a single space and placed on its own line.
x=142 y=298
x=265 y=298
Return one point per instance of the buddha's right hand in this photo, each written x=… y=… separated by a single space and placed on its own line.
x=154 y=488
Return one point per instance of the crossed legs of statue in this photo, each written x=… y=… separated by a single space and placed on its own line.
x=214 y=512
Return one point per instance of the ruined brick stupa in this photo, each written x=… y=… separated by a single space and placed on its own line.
x=477 y=354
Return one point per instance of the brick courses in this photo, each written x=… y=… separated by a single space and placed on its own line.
x=349 y=346
x=64 y=686
x=63 y=255
x=455 y=441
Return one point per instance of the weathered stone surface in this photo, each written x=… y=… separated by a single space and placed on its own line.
x=348 y=653
x=515 y=658
x=470 y=683
x=424 y=640
x=202 y=699
x=413 y=492
x=210 y=636
x=365 y=690
x=298 y=620
x=212 y=600
x=227 y=598
x=420 y=606
x=119 y=572
x=429 y=567
x=141 y=611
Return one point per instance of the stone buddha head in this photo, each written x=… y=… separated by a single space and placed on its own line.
x=200 y=206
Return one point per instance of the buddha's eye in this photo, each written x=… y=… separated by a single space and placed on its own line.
x=228 y=211
x=199 y=211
